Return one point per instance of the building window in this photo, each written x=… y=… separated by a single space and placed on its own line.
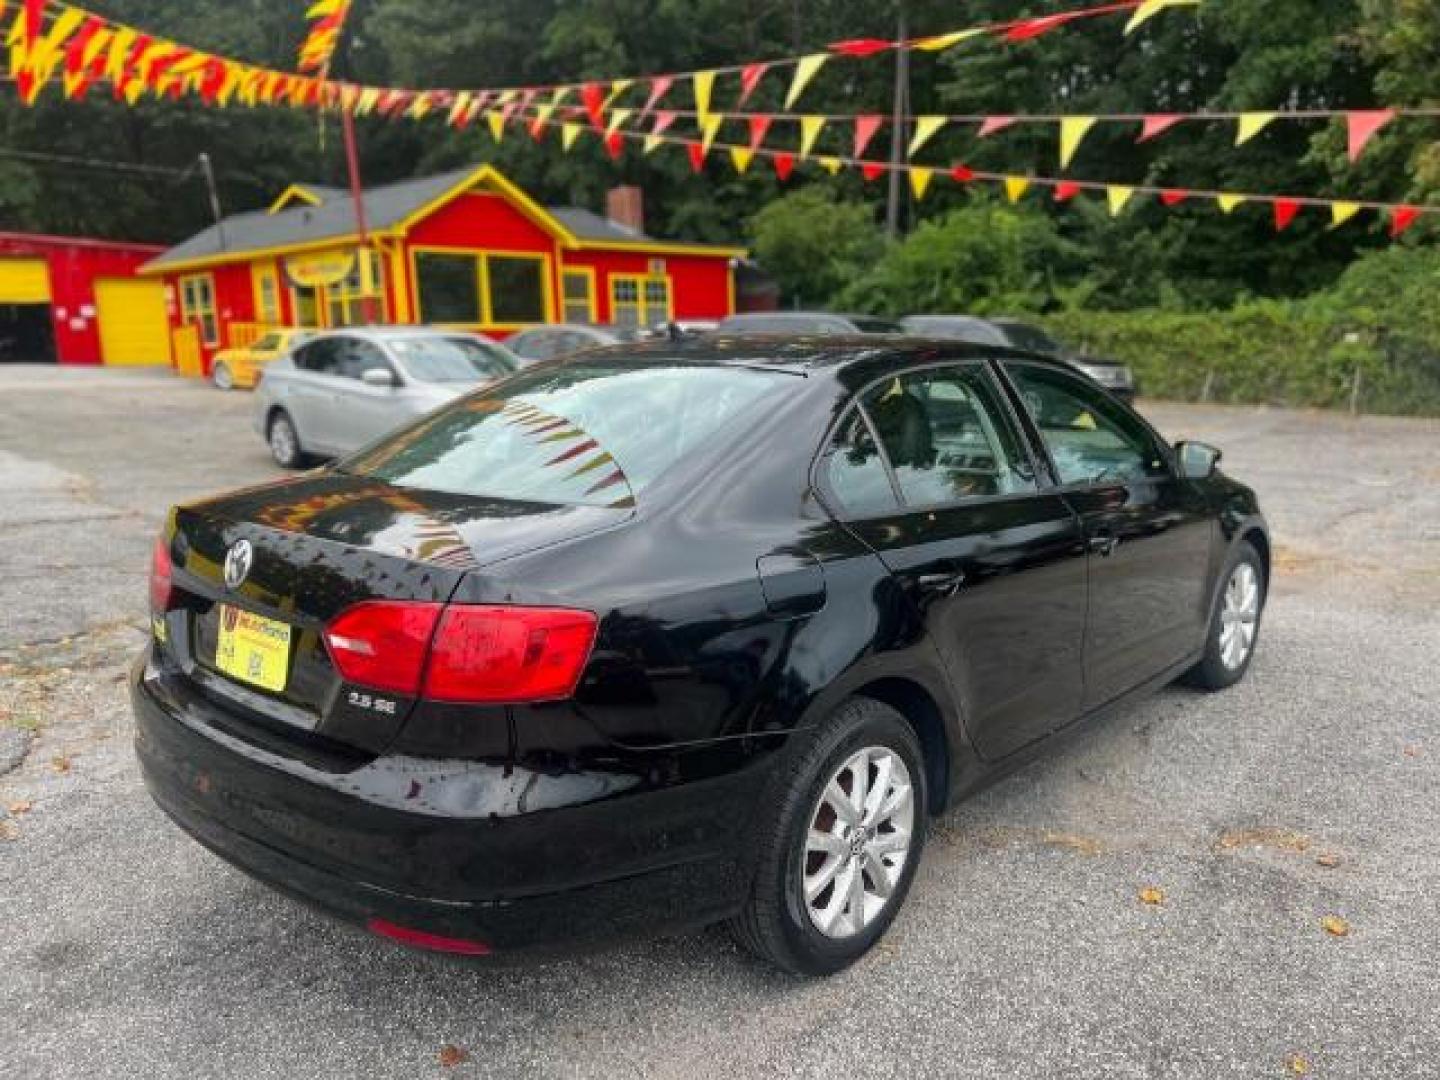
x=639 y=301
x=579 y=296
x=517 y=289
x=197 y=305
x=306 y=302
x=267 y=294
x=448 y=287
x=366 y=281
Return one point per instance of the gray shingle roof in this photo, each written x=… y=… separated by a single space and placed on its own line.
x=385 y=207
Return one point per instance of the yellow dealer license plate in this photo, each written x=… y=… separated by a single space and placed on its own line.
x=253 y=649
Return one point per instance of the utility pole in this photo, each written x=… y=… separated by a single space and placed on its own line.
x=208 y=172
x=357 y=193
x=897 y=124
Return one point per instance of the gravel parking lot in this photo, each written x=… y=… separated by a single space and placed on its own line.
x=1309 y=792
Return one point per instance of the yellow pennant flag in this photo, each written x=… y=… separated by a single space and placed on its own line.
x=945 y=41
x=1118 y=195
x=119 y=52
x=617 y=118
x=832 y=165
x=496 y=120
x=1073 y=130
x=1150 y=8
x=704 y=86
x=810 y=128
x=652 y=143
x=618 y=87
x=920 y=178
x=568 y=134
x=925 y=129
x=461 y=106
x=741 y=156
x=1251 y=124
x=369 y=98
x=1228 y=202
x=805 y=70
x=1015 y=187
x=1341 y=212
x=543 y=115
x=422 y=106
x=710 y=130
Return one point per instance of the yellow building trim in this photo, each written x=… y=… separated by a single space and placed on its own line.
x=663 y=247
x=591 y=292
x=482 y=257
x=24 y=281
x=290 y=194
x=229 y=258
x=261 y=271
x=400 y=281
x=730 y=290
x=490 y=177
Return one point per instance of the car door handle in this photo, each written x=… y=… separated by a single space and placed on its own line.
x=1104 y=543
x=948 y=583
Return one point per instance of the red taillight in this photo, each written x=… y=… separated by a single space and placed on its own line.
x=422 y=939
x=508 y=654
x=382 y=643
x=162 y=584
x=463 y=653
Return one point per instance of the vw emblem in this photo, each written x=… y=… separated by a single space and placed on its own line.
x=237 y=563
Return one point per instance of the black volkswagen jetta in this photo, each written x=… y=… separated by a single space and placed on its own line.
x=677 y=633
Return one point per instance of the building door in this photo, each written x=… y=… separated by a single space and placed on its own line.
x=26 y=327
x=134 y=328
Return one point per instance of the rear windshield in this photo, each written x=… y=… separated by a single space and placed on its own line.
x=451 y=360
x=592 y=434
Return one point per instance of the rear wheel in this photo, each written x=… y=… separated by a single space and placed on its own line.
x=839 y=848
x=1235 y=625
x=285 y=441
x=222 y=377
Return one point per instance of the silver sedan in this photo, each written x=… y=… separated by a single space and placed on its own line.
x=342 y=389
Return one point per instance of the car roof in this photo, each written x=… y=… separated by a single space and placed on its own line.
x=387 y=333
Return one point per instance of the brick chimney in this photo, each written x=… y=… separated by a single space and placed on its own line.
x=626 y=206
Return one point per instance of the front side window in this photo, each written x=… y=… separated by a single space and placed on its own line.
x=1092 y=439
x=584 y=434
x=945 y=435
x=321 y=357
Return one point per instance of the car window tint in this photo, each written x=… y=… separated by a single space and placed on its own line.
x=946 y=437
x=1091 y=437
x=355 y=357
x=855 y=471
x=535 y=344
x=321 y=357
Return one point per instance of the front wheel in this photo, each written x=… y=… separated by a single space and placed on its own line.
x=1235 y=626
x=839 y=848
x=284 y=442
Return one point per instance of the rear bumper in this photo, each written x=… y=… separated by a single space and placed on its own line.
x=624 y=864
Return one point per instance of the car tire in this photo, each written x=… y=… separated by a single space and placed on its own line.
x=781 y=922
x=284 y=441
x=1234 y=630
x=221 y=376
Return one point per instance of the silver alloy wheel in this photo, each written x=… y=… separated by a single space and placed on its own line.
x=859 y=840
x=283 y=443
x=222 y=378
x=1240 y=616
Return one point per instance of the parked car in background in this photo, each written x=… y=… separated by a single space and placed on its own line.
x=1111 y=374
x=341 y=389
x=805 y=322
x=678 y=633
x=239 y=368
x=561 y=339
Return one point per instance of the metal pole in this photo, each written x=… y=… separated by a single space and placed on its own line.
x=897 y=125
x=209 y=174
x=357 y=193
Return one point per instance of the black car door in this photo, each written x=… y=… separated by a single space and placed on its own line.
x=929 y=470
x=1151 y=534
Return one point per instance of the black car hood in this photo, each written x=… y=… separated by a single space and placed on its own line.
x=460 y=532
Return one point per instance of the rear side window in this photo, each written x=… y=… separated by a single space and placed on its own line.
x=856 y=472
x=585 y=434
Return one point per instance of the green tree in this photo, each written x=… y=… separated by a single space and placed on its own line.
x=814 y=244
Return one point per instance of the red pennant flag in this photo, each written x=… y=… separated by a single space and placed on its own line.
x=615 y=145
x=993 y=124
x=750 y=76
x=663 y=119
x=861 y=47
x=593 y=95
x=697 y=156
x=784 y=165
x=962 y=174
x=537 y=126
x=1362 y=127
x=871 y=170
x=1401 y=218
x=759 y=127
x=1033 y=28
x=1157 y=125
x=1066 y=190
x=659 y=87
x=1285 y=211
x=1173 y=196
x=865 y=129
x=34 y=14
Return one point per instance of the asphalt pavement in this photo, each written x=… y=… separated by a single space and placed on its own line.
x=1307 y=796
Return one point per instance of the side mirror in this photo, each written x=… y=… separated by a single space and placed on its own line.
x=1197 y=460
x=378 y=376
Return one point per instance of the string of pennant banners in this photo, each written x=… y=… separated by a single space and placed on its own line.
x=54 y=42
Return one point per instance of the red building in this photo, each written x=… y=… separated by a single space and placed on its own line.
x=465 y=249
x=79 y=302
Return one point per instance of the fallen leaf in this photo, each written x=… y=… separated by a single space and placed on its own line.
x=24 y=806
x=9 y=831
x=1299 y=1065
x=1412 y=751
x=450 y=1056
x=1335 y=926
x=1328 y=859
x=1151 y=895
x=60 y=764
